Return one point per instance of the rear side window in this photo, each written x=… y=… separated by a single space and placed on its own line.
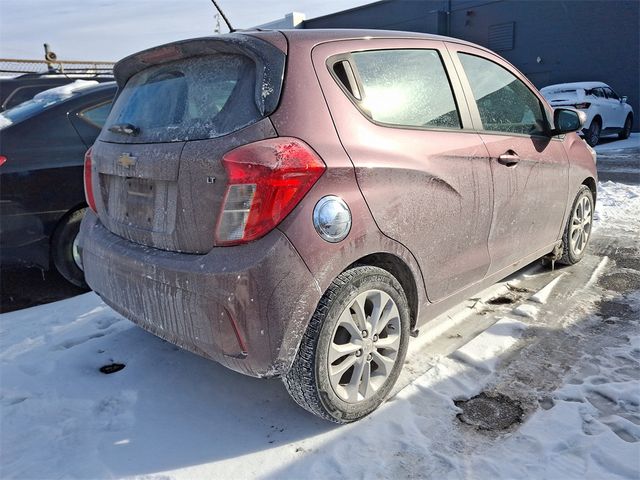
x=190 y=99
x=505 y=103
x=406 y=88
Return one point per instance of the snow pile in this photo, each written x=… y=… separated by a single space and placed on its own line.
x=483 y=352
x=5 y=121
x=542 y=295
x=617 y=205
x=64 y=91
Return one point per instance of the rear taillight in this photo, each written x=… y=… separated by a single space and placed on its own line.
x=266 y=180
x=583 y=105
x=2 y=160
x=88 y=186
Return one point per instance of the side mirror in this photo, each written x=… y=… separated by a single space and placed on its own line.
x=623 y=100
x=567 y=120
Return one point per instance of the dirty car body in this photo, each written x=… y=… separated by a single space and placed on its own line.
x=442 y=195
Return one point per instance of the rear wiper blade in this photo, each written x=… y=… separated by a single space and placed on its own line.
x=125 y=128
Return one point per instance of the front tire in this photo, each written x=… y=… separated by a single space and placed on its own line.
x=577 y=232
x=64 y=249
x=354 y=347
x=626 y=130
x=592 y=135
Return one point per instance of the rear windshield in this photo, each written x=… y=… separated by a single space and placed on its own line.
x=190 y=99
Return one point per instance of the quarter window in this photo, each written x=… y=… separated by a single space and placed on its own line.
x=505 y=103
x=406 y=88
x=96 y=115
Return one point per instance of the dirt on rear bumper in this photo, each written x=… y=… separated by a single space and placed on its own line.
x=245 y=307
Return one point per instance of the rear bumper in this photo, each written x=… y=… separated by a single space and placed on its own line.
x=245 y=307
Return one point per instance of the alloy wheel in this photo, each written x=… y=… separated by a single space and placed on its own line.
x=364 y=346
x=581 y=222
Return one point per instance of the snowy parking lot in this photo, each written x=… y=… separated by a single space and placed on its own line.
x=549 y=358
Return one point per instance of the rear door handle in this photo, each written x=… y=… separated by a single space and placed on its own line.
x=510 y=159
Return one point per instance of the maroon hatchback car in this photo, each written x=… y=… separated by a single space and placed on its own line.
x=297 y=203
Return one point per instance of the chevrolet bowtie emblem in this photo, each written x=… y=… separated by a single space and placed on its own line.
x=126 y=160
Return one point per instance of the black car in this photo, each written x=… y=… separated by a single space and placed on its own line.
x=42 y=147
x=18 y=89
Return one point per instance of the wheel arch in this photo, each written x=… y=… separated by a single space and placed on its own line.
x=591 y=183
x=61 y=221
x=401 y=271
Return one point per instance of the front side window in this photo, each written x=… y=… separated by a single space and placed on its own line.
x=406 y=88
x=611 y=94
x=505 y=103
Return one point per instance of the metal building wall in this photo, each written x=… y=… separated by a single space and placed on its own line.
x=554 y=41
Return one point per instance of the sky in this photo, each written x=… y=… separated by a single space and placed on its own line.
x=107 y=30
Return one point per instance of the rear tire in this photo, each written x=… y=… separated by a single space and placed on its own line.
x=362 y=324
x=592 y=136
x=63 y=249
x=577 y=231
x=626 y=130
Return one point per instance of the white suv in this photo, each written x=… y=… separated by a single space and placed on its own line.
x=607 y=113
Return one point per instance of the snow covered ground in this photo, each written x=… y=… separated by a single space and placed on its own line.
x=608 y=144
x=619 y=160
x=562 y=346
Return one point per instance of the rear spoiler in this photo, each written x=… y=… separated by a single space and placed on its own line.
x=269 y=60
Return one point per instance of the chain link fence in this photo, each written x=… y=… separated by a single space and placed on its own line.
x=12 y=67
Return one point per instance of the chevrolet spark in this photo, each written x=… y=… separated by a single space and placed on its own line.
x=296 y=204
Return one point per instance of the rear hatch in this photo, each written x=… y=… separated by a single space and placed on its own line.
x=563 y=97
x=157 y=175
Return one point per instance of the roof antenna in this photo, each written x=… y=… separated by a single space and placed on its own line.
x=224 y=17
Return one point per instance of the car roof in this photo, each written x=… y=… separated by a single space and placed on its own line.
x=322 y=35
x=576 y=85
x=75 y=89
x=305 y=39
x=98 y=88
